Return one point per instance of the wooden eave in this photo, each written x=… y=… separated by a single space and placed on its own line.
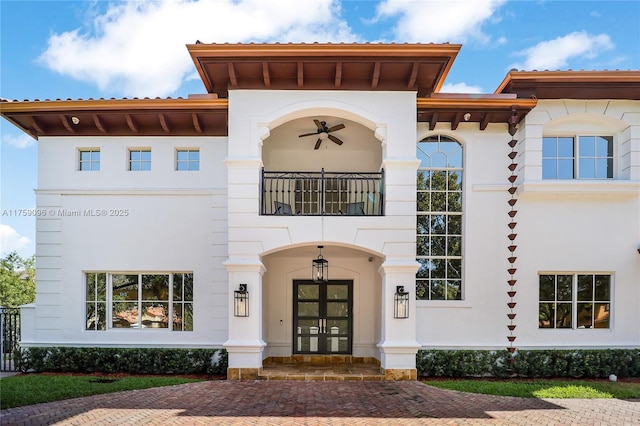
x=199 y=116
x=482 y=109
x=572 y=84
x=369 y=67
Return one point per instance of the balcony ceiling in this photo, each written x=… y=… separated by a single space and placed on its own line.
x=377 y=67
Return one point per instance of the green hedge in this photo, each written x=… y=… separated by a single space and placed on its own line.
x=580 y=363
x=122 y=360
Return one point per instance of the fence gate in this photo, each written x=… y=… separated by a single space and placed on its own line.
x=10 y=333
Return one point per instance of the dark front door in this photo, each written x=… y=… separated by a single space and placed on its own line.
x=323 y=317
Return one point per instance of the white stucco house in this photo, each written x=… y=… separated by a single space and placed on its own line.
x=509 y=219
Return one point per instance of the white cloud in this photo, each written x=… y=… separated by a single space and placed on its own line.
x=10 y=240
x=20 y=141
x=459 y=88
x=439 y=21
x=555 y=54
x=138 y=48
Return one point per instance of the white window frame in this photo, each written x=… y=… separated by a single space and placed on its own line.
x=576 y=156
x=91 y=161
x=188 y=161
x=574 y=299
x=130 y=161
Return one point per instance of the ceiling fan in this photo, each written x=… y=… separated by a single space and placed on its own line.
x=323 y=132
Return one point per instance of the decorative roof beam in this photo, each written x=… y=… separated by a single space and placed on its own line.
x=265 y=74
x=484 y=121
x=232 y=74
x=163 y=123
x=67 y=125
x=414 y=76
x=338 y=82
x=37 y=126
x=434 y=121
x=300 y=74
x=196 y=122
x=98 y=123
x=456 y=121
x=130 y=123
x=376 y=75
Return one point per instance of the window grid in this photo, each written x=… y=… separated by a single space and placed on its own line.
x=89 y=160
x=582 y=157
x=574 y=301
x=139 y=159
x=188 y=160
x=139 y=301
x=439 y=219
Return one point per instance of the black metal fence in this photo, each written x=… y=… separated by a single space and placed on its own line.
x=10 y=333
x=322 y=193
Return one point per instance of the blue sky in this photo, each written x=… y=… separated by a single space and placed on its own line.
x=92 y=49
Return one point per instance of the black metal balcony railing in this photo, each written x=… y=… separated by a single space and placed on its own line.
x=322 y=193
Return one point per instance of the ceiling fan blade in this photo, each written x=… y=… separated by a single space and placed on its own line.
x=308 y=134
x=318 y=144
x=336 y=140
x=336 y=127
x=318 y=124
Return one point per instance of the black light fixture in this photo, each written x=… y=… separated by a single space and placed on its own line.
x=241 y=302
x=401 y=303
x=320 y=268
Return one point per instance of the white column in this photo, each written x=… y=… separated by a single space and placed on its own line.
x=245 y=344
x=398 y=343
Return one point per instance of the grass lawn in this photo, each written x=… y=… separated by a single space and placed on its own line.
x=28 y=389
x=540 y=388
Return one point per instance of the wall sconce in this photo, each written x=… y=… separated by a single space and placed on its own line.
x=401 y=303
x=241 y=302
x=320 y=269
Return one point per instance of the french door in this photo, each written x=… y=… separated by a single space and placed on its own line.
x=323 y=317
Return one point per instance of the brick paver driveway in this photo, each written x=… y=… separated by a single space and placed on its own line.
x=319 y=403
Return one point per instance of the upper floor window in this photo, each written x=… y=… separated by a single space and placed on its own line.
x=439 y=219
x=188 y=159
x=581 y=157
x=574 y=301
x=139 y=159
x=89 y=160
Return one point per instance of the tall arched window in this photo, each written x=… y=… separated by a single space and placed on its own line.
x=439 y=219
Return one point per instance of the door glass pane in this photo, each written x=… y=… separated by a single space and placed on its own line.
x=308 y=309
x=337 y=309
x=337 y=292
x=337 y=326
x=308 y=292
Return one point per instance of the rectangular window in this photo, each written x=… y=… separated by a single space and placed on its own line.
x=139 y=159
x=574 y=301
x=582 y=157
x=89 y=160
x=139 y=301
x=188 y=159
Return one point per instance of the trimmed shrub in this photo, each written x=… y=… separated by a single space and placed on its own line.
x=123 y=360
x=567 y=363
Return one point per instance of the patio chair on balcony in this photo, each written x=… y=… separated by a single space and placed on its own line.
x=282 y=208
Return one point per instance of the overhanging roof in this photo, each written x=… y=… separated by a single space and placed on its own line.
x=203 y=115
x=572 y=84
x=395 y=67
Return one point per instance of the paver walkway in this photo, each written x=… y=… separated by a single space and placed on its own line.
x=319 y=403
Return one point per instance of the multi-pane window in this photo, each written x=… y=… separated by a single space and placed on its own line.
x=581 y=157
x=188 y=159
x=139 y=159
x=439 y=219
x=574 y=301
x=89 y=160
x=139 y=301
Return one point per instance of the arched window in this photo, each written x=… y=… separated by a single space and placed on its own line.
x=439 y=219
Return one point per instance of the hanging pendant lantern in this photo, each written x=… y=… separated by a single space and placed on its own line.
x=320 y=268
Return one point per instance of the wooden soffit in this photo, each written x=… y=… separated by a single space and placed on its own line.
x=369 y=67
x=482 y=109
x=202 y=115
x=572 y=84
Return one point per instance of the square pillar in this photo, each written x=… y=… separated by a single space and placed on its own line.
x=245 y=345
x=398 y=344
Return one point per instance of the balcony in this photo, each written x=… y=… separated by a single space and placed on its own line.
x=322 y=193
